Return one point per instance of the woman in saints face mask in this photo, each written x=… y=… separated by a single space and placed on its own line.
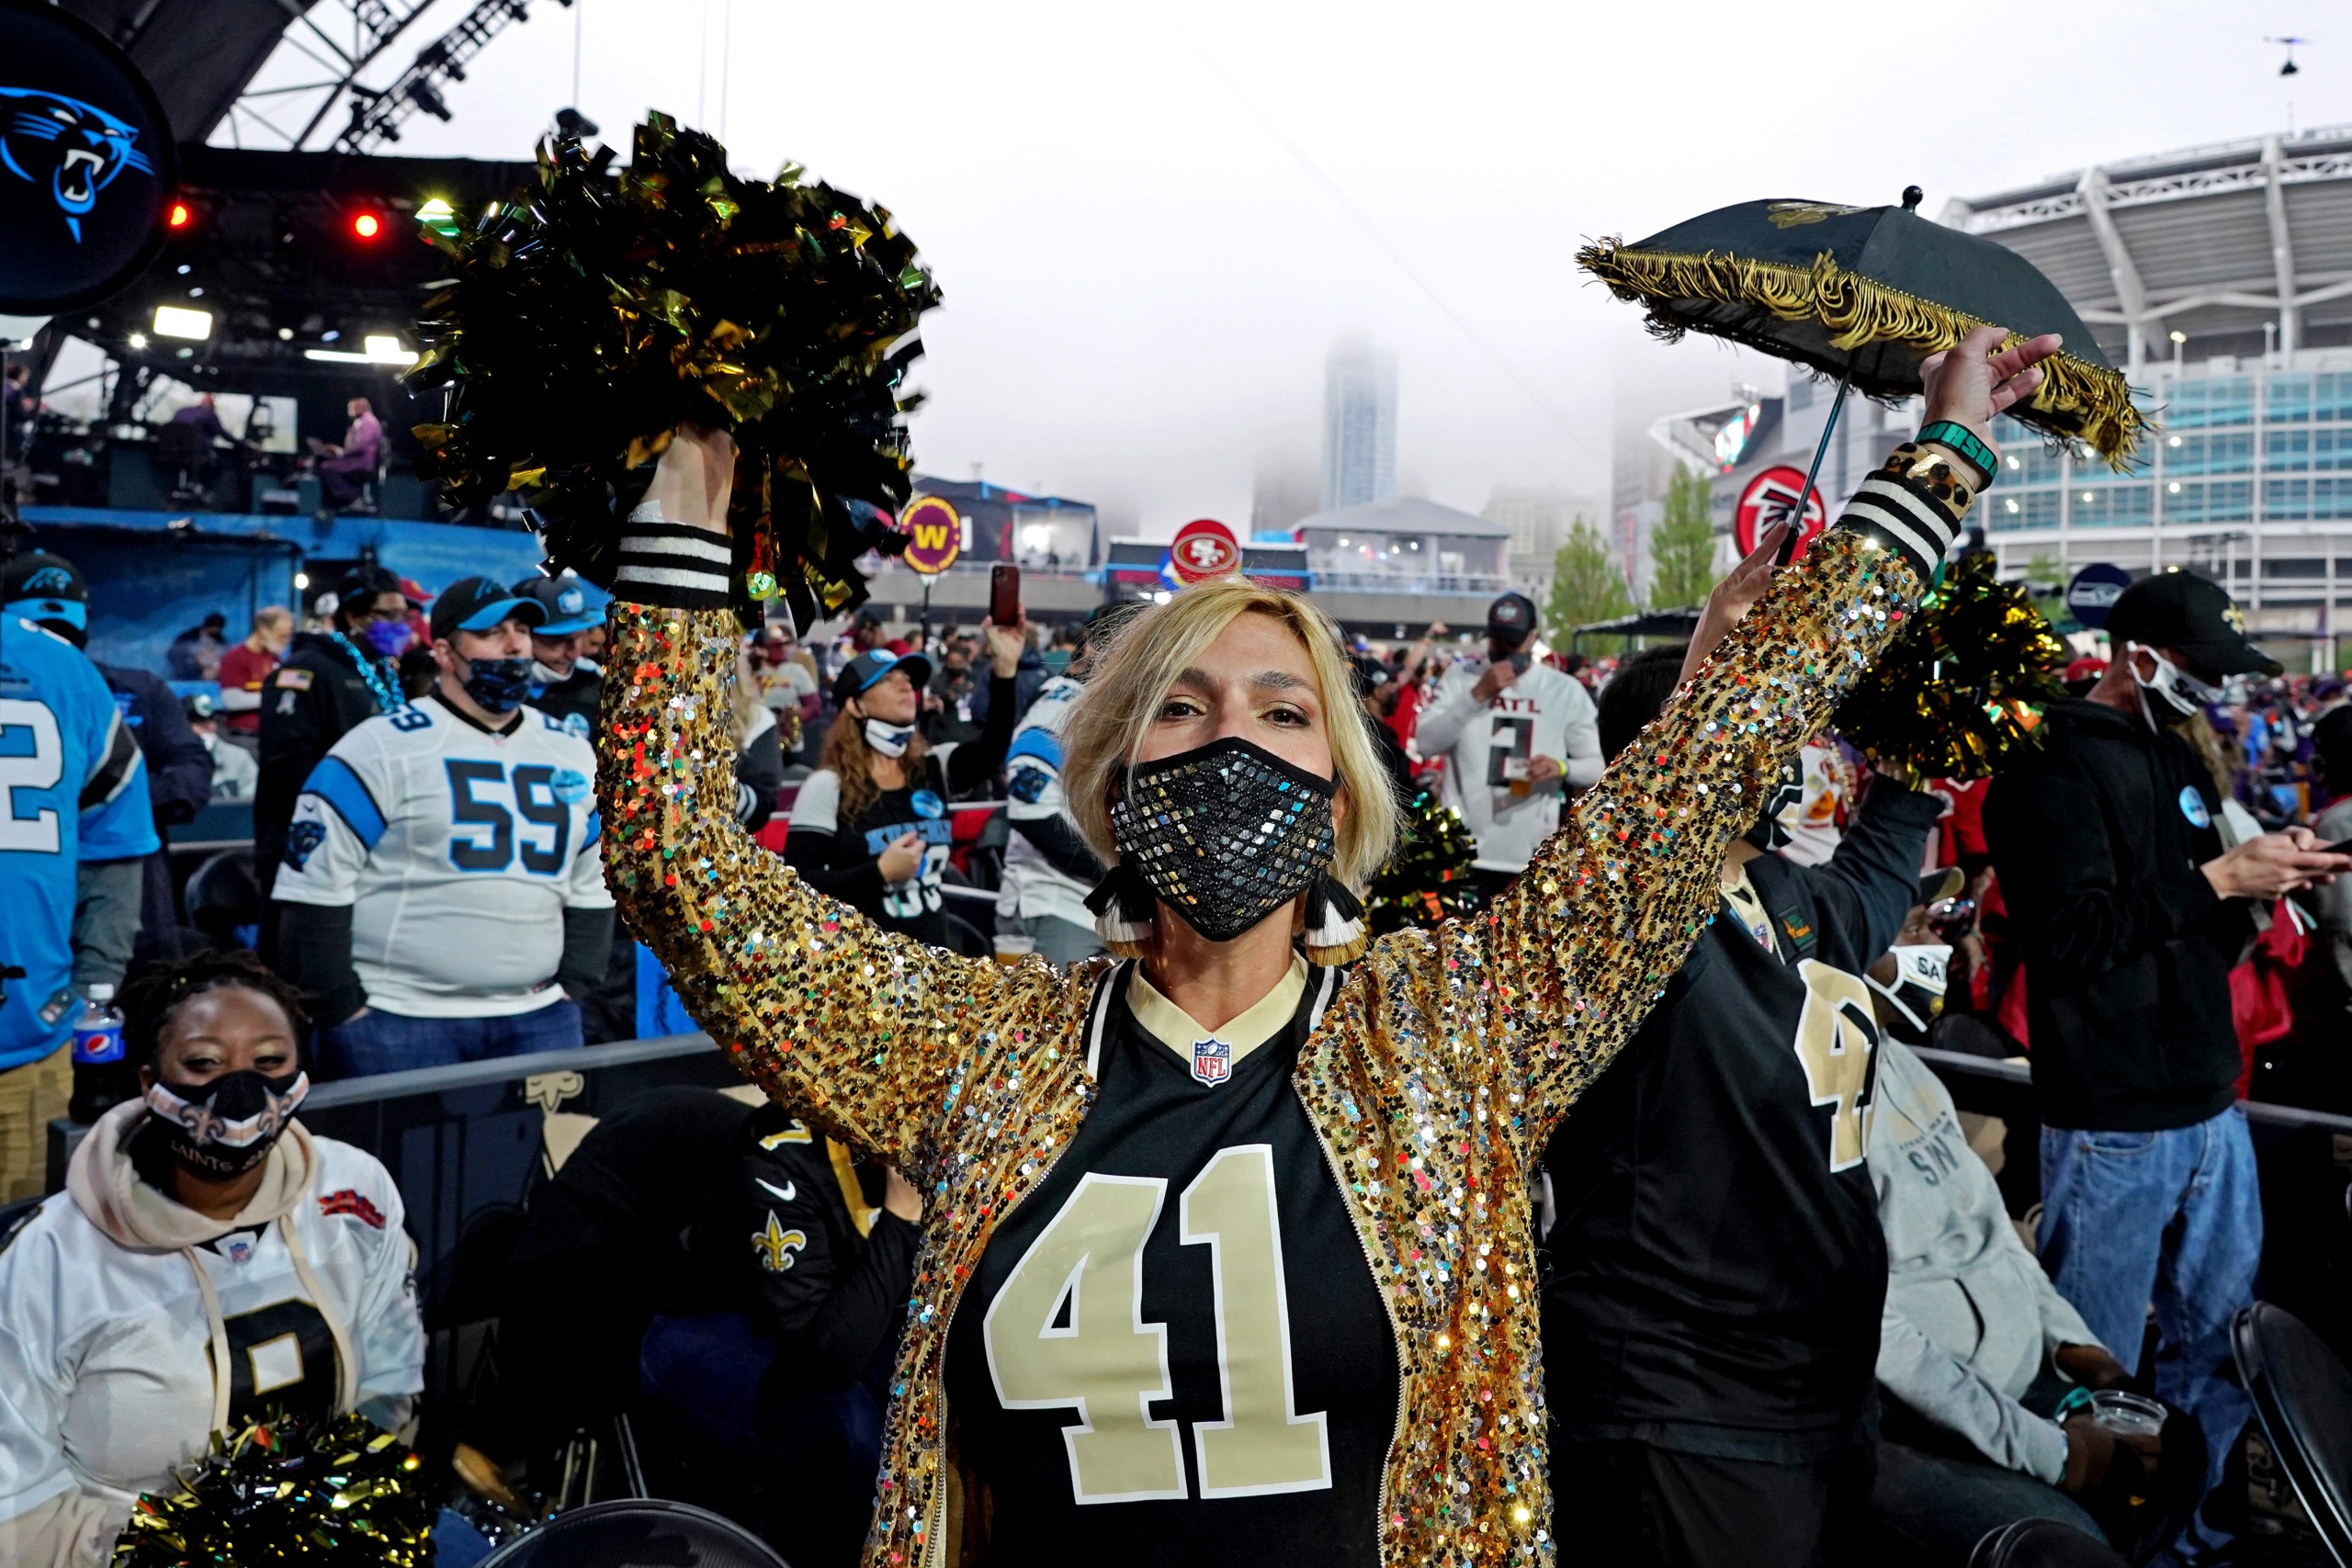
x=870 y=825
x=209 y=1260
x=1227 y=1251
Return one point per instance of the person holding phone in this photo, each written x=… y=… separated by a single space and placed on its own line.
x=870 y=827
x=1518 y=737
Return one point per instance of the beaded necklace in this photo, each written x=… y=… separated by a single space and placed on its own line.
x=385 y=698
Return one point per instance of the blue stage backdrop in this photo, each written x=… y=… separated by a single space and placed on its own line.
x=154 y=574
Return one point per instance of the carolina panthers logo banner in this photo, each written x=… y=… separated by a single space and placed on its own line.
x=86 y=163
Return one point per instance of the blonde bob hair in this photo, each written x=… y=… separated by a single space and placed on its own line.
x=1129 y=679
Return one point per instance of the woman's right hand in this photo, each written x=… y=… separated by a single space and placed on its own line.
x=695 y=477
x=1730 y=599
x=901 y=860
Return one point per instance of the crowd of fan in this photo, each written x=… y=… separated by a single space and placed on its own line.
x=427 y=882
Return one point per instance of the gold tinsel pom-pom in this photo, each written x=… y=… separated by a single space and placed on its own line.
x=591 y=314
x=1964 y=683
x=1427 y=880
x=338 y=1491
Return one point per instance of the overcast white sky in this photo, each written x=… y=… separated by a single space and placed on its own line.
x=1142 y=280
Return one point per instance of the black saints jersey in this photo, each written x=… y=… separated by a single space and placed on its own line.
x=1173 y=1351
x=1716 y=1266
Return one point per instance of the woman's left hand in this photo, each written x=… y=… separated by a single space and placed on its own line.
x=1741 y=587
x=1006 y=645
x=1969 y=383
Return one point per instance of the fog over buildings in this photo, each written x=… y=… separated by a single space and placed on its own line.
x=1151 y=227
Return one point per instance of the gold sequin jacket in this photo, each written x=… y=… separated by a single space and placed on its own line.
x=1433 y=1080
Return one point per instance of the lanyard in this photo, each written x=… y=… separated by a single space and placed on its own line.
x=386 y=699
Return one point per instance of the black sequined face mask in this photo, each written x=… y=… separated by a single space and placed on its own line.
x=1225 y=834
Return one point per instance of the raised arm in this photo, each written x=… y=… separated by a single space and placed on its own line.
x=860 y=1031
x=1607 y=911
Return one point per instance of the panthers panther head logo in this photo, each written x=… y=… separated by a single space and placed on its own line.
x=72 y=148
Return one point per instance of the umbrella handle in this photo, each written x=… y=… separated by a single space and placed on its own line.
x=1796 y=523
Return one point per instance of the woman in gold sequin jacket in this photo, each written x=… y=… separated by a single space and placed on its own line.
x=1144 y=1323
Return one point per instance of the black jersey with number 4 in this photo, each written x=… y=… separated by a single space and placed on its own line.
x=1716 y=1266
x=1173 y=1351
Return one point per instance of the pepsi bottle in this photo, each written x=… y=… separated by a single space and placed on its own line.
x=100 y=1073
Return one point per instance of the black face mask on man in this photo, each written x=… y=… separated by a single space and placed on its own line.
x=498 y=684
x=225 y=1126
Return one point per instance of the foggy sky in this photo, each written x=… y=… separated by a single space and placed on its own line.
x=1142 y=282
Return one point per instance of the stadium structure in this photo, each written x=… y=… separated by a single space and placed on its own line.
x=2220 y=278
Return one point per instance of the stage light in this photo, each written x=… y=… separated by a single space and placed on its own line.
x=437 y=208
x=367 y=225
x=176 y=321
x=302 y=580
x=180 y=215
x=379 y=348
x=138 y=340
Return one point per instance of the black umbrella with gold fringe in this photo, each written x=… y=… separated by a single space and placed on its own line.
x=1866 y=294
x=590 y=316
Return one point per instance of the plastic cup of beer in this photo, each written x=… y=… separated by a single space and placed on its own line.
x=1515 y=774
x=2128 y=1414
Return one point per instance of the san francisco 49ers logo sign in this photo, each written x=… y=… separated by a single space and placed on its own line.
x=1203 y=548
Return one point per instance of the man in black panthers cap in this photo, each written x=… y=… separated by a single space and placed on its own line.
x=2130 y=903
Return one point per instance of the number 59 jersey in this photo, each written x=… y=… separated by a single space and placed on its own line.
x=456 y=848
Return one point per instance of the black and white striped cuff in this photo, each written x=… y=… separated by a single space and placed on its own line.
x=1904 y=517
x=673 y=567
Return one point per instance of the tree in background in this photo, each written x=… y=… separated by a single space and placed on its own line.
x=1586 y=585
x=1683 y=548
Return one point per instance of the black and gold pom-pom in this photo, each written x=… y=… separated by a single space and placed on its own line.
x=340 y=1491
x=1964 y=683
x=1427 y=880
x=591 y=315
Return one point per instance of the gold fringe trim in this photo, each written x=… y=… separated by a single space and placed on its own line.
x=1339 y=956
x=2077 y=399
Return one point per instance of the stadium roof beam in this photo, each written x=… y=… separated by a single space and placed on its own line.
x=2231 y=243
x=2282 y=249
x=2128 y=290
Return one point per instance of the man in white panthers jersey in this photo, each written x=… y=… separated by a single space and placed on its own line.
x=445 y=890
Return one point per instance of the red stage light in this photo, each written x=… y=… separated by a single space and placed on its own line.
x=367 y=225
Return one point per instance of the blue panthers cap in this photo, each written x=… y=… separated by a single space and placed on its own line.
x=478 y=604
x=860 y=673
x=39 y=586
x=566 y=602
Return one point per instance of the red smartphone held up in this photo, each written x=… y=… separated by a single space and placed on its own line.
x=1004 y=594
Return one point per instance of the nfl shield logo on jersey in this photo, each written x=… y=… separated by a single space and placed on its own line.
x=1212 y=1061
x=237 y=1249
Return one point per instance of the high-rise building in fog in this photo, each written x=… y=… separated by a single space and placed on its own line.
x=1359 y=426
x=1539 y=519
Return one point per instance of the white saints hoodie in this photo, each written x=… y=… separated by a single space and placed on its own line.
x=1970 y=1317
x=132 y=1327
